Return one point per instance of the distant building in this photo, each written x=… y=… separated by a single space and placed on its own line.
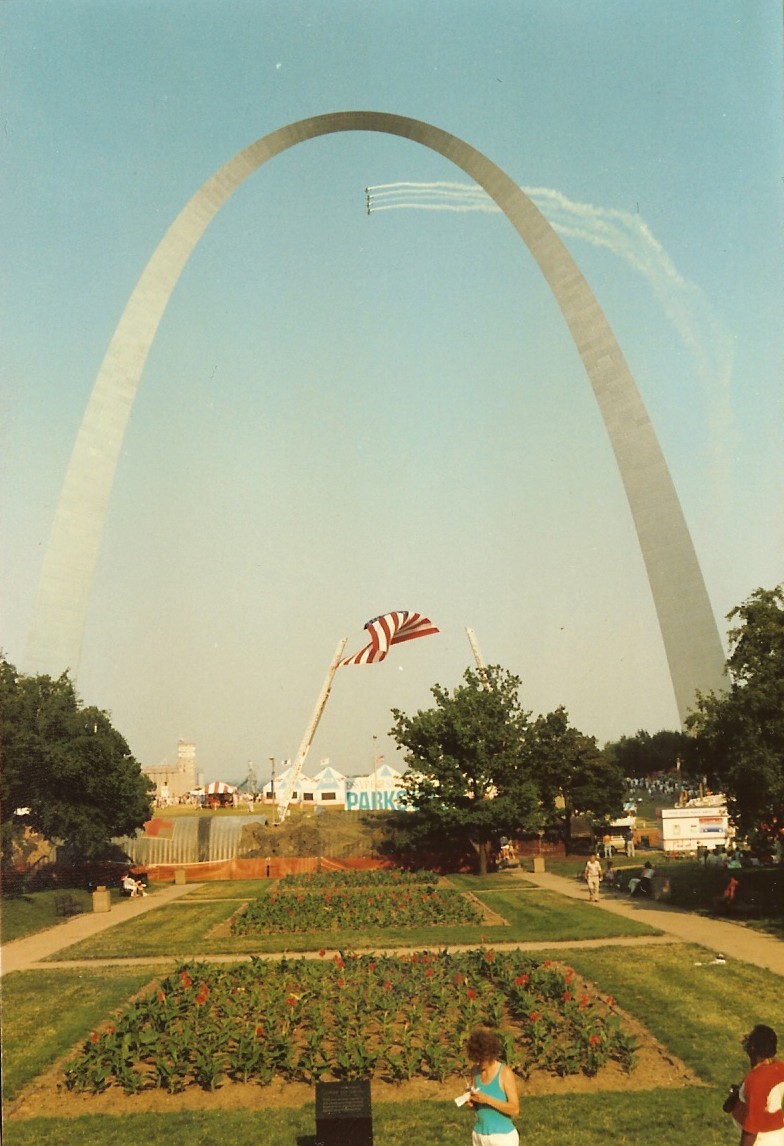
x=380 y=790
x=174 y=780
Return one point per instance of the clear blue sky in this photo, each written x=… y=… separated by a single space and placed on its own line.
x=344 y=414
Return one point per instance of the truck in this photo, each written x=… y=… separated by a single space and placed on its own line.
x=699 y=824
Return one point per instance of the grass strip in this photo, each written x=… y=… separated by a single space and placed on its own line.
x=678 y=1118
x=46 y=1012
x=697 y=1008
x=182 y=930
x=28 y=914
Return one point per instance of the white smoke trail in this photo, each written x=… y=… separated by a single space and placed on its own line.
x=419 y=206
x=625 y=235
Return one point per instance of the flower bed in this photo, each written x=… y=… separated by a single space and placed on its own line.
x=374 y=877
x=392 y=1017
x=354 y=909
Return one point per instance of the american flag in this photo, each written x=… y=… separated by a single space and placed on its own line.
x=390 y=629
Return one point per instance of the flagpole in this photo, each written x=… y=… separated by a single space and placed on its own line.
x=310 y=731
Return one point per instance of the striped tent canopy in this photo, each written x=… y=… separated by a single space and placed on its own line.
x=219 y=788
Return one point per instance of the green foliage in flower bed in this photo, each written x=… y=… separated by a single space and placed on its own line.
x=376 y=877
x=393 y=1017
x=355 y=909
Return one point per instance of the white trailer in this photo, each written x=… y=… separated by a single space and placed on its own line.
x=695 y=826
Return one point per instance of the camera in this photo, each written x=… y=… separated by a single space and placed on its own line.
x=731 y=1101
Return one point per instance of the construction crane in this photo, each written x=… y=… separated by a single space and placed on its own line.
x=481 y=667
x=310 y=732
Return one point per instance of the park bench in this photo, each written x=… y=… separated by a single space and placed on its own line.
x=65 y=904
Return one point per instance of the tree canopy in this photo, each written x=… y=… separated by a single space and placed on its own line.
x=479 y=768
x=467 y=759
x=738 y=735
x=67 y=765
x=645 y=753
x=575 y=777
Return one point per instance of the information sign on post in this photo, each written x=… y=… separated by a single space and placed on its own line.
x=343 y=1114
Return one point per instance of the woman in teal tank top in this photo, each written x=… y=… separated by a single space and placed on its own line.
x=493 y=1091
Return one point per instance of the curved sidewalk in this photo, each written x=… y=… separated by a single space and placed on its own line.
x=732 y=940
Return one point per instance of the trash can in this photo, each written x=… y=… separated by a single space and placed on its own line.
x=179 y=875
x=538 y=865
x=102 y=899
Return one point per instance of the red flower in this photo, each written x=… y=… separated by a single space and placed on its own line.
x=584 y=1000
x=185 y=979
x=490 y=956
x=471 y=993
x=322 y=953
x=291 y=1001
x=161 y=996
x=203 y=993
x=610 y=1001
x=429 y=972
x=387 y=985
x=415 y=958
x=259 y=1032
x=110 y=1029
x=522 y=980
x=372 y=966
x=594 y=1040
x=535 y=1016
x=94 y=1037
x=458 y=979
x=569 y=975
x=547 y=963
x=567 y=996
x=341 y=982
x=338 y=962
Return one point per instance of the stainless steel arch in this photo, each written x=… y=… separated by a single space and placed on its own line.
x=691 y=639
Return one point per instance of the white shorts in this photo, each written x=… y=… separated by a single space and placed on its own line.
x=510 y=1138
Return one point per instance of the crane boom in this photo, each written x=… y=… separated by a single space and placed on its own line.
x=310 y=731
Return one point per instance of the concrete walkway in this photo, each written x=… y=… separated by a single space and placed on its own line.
x=732 y=940
x=21 y=954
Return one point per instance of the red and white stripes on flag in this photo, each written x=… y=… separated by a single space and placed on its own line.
x=391 y=629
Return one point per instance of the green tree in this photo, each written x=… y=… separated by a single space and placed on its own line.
x=738 y=735
x=67 y=765
x=573 y=774
x=467 y=758
x=645 y=753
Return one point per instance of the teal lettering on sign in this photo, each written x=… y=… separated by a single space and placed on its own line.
x=385 y=801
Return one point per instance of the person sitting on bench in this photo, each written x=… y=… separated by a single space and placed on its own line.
x=644 y=888
x=131 y=886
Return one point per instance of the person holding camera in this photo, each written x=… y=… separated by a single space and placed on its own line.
x=757 y=1104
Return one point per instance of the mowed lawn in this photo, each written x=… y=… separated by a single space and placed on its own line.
x=696 y=1009
x=698 y=1012
x=188 y=926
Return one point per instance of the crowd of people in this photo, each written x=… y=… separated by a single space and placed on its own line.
x=640 y=887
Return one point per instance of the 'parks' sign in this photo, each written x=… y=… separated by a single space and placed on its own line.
x=389 y=801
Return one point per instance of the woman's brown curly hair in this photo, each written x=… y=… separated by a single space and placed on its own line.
x=483 y=1045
